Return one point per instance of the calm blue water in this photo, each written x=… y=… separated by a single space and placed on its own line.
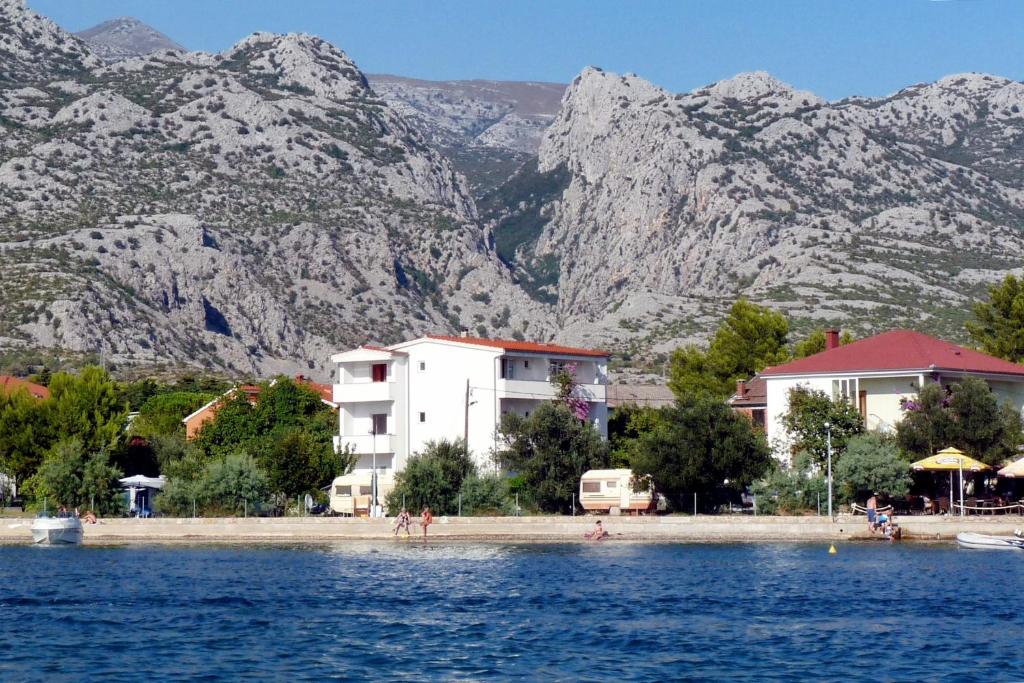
x=494 y=612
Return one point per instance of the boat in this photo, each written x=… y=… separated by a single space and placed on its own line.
x=48 y=530
x=973 y=541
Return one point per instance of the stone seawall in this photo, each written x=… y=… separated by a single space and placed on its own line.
x=542 y=528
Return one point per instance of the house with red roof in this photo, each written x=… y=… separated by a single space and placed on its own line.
x=195 y=421
x=876 y=373
x=10 y=384
x=394 y=399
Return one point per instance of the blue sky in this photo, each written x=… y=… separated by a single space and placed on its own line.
x=832 y=47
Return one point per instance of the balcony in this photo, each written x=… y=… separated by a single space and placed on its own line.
x=365 y=392
x=365 y=443
x=542 y=390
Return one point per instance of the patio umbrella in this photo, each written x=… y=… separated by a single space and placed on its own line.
x=1014 y=470
x=950 y=460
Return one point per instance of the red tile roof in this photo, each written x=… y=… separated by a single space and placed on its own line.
x=897 y=350
x=755 y=393
x=325 y=390
x=522 y=346
x=9 y=384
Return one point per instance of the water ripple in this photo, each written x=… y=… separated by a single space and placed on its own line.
x=469 y=612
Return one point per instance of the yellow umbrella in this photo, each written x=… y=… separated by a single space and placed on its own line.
x=1014 y=469
x=950 y=460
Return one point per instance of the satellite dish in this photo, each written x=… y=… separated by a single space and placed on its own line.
x=309 y=502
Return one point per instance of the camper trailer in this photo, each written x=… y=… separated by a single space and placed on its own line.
x=351 y=493
x=611 y=491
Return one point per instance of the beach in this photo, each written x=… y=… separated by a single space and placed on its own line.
x=672 y=528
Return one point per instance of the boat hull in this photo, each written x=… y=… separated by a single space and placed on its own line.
x=973 y=541
x=54 y=531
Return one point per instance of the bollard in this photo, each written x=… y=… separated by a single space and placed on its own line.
x=694 y=504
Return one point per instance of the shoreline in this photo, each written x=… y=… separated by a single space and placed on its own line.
x=539 y=529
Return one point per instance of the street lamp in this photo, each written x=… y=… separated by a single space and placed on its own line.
x=828 y=445
x=373 y=477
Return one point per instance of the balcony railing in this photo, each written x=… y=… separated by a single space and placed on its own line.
x=366 y=443
x=365 y=392
x=542 y=390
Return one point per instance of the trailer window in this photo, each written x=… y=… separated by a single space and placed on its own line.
x=591 y=487
x=611 y=484
x=343 y=490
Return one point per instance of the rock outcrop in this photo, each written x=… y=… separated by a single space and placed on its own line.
x=866 y=212
x=251 y=211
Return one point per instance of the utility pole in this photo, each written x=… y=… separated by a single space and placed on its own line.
x=828 y=445
x=465 y=426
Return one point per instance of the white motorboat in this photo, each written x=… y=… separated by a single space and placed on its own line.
x=57 y=531
x=973 y=541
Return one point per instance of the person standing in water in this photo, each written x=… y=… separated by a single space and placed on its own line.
x=426 y=519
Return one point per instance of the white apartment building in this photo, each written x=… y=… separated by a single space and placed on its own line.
x=392 y=400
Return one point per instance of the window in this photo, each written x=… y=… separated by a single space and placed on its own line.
x=591 y=487
x=526 y=364
x=343 y=490
x=844 y=390
x=423 y=365
x=555 y=367
x=507 y=368
x=423 y=417
x=380 y=372
x=611 y=484
x=366 y=490
x=380 y=423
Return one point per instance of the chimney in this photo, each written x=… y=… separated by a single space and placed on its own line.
x=741 y=387
x=831 y=339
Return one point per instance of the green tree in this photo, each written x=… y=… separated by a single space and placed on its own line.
x=790 y=490
x=59 y=477
x=88 y=406
x=26 y=432
x=68 y=476
x=749 y=339
x=231 y=484
x=297 y=464
x=550 y=450
x=871 y=463
x=968 y=417
x=809 y=411
x=625 y=426
x=695 y=447
x=433 y=477
x=162 y=414
x=998 y=325
x=486 y=494
x=815 y=343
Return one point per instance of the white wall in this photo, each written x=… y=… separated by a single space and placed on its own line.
x=430 y=378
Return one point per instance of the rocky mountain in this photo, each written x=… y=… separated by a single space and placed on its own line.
x=649 y=211
x=487 y=128
x=256 y=210
x=251 y=211
x=126 y=37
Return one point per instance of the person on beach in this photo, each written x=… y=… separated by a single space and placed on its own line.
x=426 y=519
x=597 y=533
x=872 y=506
x=403 y=522
x=89 y=517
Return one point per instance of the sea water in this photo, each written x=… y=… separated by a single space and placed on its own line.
x=442 y=611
